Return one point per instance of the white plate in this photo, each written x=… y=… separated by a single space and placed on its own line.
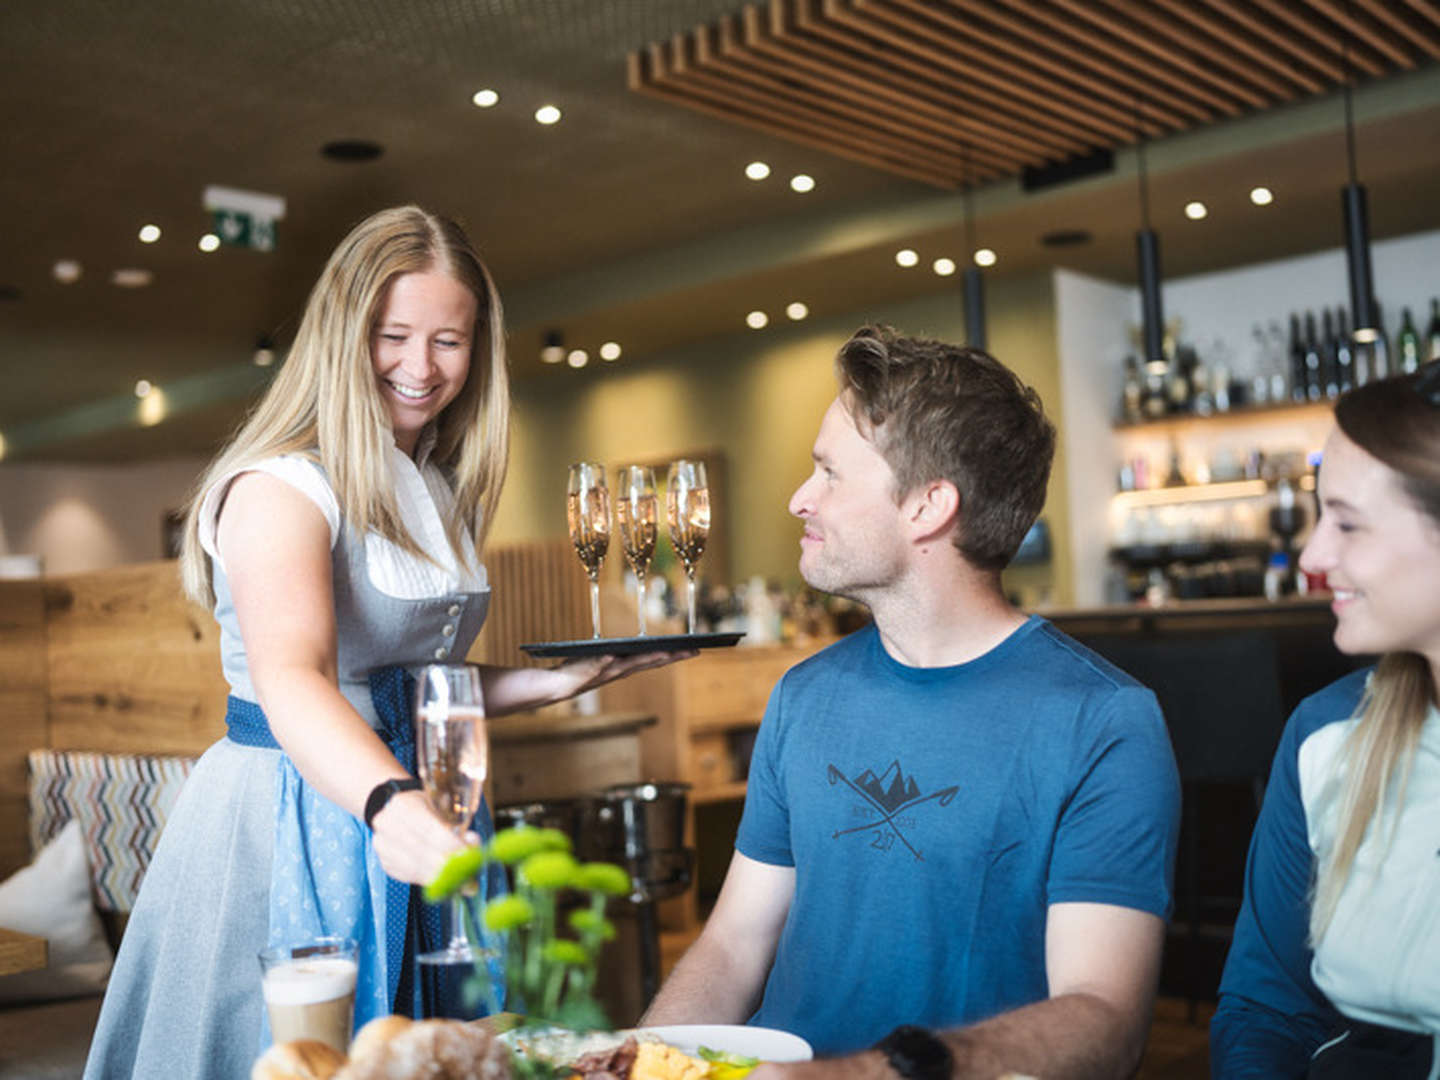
x=767 y=1044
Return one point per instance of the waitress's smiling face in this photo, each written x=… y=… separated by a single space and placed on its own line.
x=420 y=349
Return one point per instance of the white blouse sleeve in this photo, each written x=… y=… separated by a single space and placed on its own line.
x=303 y=475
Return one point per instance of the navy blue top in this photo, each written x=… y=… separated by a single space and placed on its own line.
x=1272 y=1017
x=933 y=814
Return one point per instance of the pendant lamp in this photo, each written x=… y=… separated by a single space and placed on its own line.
x=1147 y=249
x=1356 y=213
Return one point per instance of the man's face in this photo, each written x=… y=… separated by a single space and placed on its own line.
x=853 y=543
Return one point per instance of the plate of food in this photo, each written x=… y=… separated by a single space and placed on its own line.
x=671 y=1052
x=629 y=646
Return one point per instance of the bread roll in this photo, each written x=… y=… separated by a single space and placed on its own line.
x=304 y=1059
x=372 y=1038
x=432 y=1049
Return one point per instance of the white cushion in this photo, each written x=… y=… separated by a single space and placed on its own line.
x=51 y=899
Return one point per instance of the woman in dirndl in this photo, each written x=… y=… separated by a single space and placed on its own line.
x=337 y=540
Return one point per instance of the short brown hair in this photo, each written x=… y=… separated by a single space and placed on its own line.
x=948 y=412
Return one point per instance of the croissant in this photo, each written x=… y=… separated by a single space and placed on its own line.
x=304 y=1059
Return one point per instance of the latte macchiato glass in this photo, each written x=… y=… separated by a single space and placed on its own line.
x=310 y=991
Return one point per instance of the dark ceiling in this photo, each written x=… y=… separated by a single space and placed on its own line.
x=629 y=219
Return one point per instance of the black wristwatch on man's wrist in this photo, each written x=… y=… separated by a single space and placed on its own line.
x=917 y=1054
x=383 y=792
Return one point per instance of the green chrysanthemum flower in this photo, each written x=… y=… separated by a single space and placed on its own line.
x=507 y=913
x=571 y=953
x=512 y=846
x=589 y=922
x=458 y=871
x=604 y=878
x=549 y=870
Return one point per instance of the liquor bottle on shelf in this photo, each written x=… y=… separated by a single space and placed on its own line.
x=1407 y=344
x=1155 y=404
x=1314 y=384
x=1177 y=383
x=1132 y=394
x=1260 y=381
x=1432 y=334
x=1329 y=356
x=1344 y=352
x=1297 y=360
x=1279 y=382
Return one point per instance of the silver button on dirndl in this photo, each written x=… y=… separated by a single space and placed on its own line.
x=441 y=653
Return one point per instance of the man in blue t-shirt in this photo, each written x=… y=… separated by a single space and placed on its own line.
x=960 y=824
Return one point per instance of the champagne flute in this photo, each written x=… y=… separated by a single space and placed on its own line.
x=687 y=510
x=636 y=510
x=452 y=757
x=587 y=509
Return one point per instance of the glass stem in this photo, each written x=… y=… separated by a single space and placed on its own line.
x=458 y=941
x=640 y=600
x=690 y=596
x=595 y=605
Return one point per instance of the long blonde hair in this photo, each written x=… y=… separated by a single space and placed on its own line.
x=325 y=403
x=1392 y=422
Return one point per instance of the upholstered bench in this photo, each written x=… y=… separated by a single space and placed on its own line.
x=77 y=893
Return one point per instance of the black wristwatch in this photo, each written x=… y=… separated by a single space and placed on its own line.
x=917 y=1054
x=383 y=793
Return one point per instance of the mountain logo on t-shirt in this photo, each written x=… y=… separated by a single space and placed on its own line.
x=885 y=799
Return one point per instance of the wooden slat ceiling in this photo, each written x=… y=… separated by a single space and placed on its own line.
x=951 y=92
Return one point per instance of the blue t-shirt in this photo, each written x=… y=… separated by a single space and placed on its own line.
x=933 y=814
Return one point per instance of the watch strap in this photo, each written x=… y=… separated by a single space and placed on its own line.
x=917 y=1054
x=383 y=792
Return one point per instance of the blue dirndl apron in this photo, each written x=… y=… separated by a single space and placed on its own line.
x=326 y=881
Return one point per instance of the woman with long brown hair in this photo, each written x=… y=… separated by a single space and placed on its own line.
x=1334 y=971
x=338 y=540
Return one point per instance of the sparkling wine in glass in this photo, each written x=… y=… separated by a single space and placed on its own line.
x=687 y=510
x=587 y=509
x=452 y=757
x=635 y=509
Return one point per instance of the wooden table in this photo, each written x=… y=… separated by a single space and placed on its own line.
x=21 y=952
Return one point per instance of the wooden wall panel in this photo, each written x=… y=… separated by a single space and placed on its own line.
x=22 y=710
x=133 y=666
x=538 y=593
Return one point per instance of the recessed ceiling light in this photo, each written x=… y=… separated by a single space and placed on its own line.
x=209 y=242
x=67 y=271
x=131 y=277
x=552 y=348
x=757 y=170
x=610 y=350
x=578 y=358
x=2 y=447
x=796 y=311
x=1196 y=211
x=907 y=258
x=985 y=257
x=757 y=320
x=352 y=151
x=1262 y=196
x=485 y=98
x=802 y=183
x=944 y=267
x=547 y=114
x=149 y=234
x=153 y=407
x=143 y=388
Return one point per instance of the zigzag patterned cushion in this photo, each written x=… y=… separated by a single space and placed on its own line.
x=121 y=801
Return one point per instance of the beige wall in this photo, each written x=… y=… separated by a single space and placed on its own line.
x=759 y=398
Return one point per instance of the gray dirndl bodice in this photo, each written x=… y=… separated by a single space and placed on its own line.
x=184 y=997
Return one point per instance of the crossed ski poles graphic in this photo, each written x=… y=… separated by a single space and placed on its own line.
x=887 y=817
